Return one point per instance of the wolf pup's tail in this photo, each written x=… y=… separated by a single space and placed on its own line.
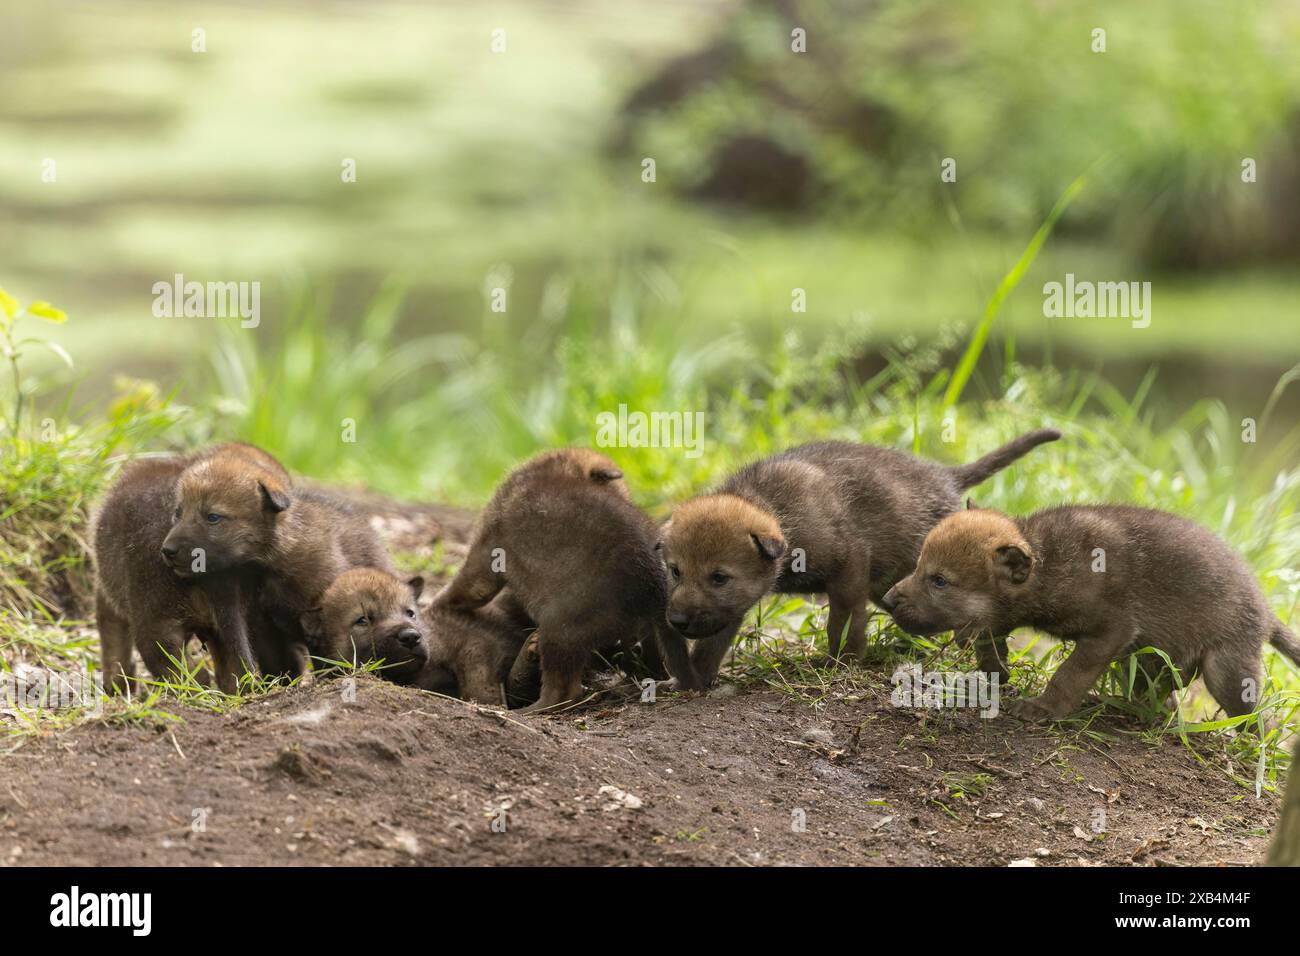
x=1286 y=642
x=968 y=476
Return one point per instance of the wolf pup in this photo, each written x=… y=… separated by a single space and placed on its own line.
x=154 y=589
x=838 y=518
x=471 y=654
x=476 y=664
x=1112 y=579
x=306 y=540
x=479 y=655
x=580 y=562
x=370 y=615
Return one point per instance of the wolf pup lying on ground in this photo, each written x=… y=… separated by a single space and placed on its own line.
x=471 y=653
x=153 y=590
x=1112 y=579
x=581 y=563
x=370 y=615
x=837 y=518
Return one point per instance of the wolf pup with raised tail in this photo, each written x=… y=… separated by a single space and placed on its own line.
x=834 y=518
x=579 y=561
x=1110 y=578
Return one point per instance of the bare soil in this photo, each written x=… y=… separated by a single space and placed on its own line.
x=397 y=776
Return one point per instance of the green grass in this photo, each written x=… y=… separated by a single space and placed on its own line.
x=49 y=476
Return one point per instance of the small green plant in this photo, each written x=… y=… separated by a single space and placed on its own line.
x=48 y=479
x=13 y=346
x=960 y=786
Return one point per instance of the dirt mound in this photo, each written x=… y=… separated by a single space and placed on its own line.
x=391 y=776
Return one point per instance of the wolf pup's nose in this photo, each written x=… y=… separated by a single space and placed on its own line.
x=408 y=637
x=169 y=551
x=678 y=618
x=890 y=600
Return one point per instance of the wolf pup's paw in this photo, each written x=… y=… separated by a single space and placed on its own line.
x=1032 y=710
x=677 y=686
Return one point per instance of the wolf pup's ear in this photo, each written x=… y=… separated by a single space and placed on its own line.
x=416 y=584
x=769 y=547
x=1014 y=562
x=273 y=499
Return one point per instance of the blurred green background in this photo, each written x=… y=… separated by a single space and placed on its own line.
x=522 y=169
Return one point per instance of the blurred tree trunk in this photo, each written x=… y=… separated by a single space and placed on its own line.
x=1285 y=850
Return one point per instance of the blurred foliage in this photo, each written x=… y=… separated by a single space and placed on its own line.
x=226 y=166
x=1185 y=90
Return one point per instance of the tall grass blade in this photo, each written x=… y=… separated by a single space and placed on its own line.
x=966 y=367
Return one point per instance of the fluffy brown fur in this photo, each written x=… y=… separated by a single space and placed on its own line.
x=1165 y=582
x=222 y=546
x=579 y=561
x=471 y=653
x=153 y=589
x=837 y=518
x=370 y=615
x=316 y=539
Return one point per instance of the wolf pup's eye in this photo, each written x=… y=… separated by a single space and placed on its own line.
x=213 y=518
x=939 y=581
x=676 y=572
x=719 y=578
x=362 y=621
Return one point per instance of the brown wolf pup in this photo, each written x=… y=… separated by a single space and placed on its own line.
x=471 y=653
x=837 y=518
x=1112 y=579
x=580 y=562
x=315 y=538
x=153 y=591
x=483 y=649
x=370 y=615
